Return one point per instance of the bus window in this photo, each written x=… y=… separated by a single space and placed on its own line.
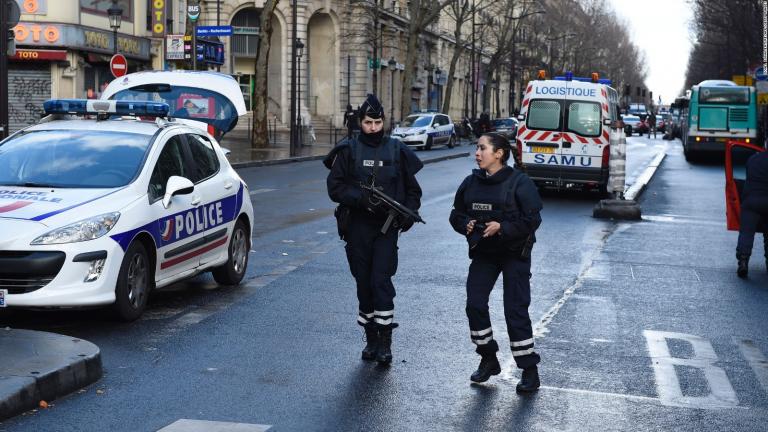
x=724 y=95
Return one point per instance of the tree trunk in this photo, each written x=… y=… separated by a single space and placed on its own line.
x=260 y=132
x=407 y=75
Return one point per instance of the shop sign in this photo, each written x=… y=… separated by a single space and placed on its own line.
x=174 y=47
x=248 y=31
x=79 y=37
x=158 y=18
x=39 y=55
x=33 y=7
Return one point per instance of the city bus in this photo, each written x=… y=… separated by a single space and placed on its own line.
x=718 y=111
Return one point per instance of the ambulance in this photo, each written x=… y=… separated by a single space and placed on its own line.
x=565 y=129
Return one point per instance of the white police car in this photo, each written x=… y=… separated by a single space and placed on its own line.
x=425 y=130
x=101 y=211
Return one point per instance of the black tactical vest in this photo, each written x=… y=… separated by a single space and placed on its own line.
x=486 y=202
x=387 y=172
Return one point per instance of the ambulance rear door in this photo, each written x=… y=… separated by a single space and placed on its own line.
x=540 y=136
x=584 y=139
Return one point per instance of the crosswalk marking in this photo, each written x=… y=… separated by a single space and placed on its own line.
x=186 y=425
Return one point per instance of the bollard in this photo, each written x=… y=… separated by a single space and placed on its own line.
x=617 y=163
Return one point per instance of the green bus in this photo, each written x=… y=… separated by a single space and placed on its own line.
x=718 y=111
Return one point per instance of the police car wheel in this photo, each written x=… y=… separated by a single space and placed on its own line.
x=232 y=272
x=451 y=141
x=428 y=144
x=133 y=283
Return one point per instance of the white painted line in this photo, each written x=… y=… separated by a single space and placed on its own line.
x=646 y=176
x=260 y=191
x=756 y=360
x=186 y=425
x=603 y=394
x=682 y=220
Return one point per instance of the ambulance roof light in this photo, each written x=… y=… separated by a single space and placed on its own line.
x=542 y=75
x=113 y=107
x=595 y=77
x=568 y=75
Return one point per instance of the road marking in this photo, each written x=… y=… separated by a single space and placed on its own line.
x=186 y=425
x=721 y=393
x=756 y=360
x=647 y=399
x=261 y=191
x=682 y=220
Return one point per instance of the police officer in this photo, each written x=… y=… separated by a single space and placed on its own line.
x=497 y=209
x=350 y=121
x=754 y=208
x=382 y=162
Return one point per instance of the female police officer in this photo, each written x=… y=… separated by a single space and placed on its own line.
x=497 y=208
x=373 y=160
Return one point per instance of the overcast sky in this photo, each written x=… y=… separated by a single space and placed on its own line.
x=660 y=29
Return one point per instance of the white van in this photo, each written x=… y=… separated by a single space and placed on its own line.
x=564 y=131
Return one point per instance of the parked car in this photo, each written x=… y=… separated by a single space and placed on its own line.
x=505 y=126
x=425 y=130
x=631 y=124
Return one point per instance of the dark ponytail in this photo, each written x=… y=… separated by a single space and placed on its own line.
x=501 y=142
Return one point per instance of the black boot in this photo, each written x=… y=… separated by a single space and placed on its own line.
x=384 y=353
x=529 y=381
x=489 y=365
x=371 y=343
x=743 y=265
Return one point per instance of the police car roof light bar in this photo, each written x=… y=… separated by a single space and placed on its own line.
x=110 y=107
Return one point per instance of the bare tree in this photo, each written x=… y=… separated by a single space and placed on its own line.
x=422 y=14
x=461 y=12
x=260 y=132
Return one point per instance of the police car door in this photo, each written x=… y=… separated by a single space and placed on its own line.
x=177 y=232
x=582 y=146
x=218 y=197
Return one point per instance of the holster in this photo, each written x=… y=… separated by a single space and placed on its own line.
x=342 y=214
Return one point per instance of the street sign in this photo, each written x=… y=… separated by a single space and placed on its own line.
x=224 y=30
x=193 y=11
x=760 y=74
x=118 y=65
x=250 y=31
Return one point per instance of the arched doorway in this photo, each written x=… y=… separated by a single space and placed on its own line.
x=322 y=66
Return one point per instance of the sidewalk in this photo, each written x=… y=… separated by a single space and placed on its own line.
x=39 y=366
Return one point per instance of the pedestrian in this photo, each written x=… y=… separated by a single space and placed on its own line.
x=497 y=208
x=350 y=120
x=754 y=211
x=652 y=124
x=383 y=162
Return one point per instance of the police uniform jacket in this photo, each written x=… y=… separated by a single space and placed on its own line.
x=508 y=197
x=757 y=176
x=352 y=162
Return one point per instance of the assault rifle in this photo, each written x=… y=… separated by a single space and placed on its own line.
x=394 y=208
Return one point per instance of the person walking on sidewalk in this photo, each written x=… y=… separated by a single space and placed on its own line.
x=497 y=208
x=350 y=121
x=754 y=209
x=652 y=124
x=382 y=162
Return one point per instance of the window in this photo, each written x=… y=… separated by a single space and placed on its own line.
x=100 y=7
x=544 y=115
x=417 y=121
x=72 y=158
x=584 y=118
x=170 y=163
x=204 y=156
x=724 y=95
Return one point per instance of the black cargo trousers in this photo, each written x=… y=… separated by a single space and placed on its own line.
x=372 y=258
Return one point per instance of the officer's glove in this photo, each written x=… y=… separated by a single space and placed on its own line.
x=368 y=201
x=406 y=222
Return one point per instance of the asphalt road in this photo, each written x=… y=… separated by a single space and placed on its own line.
x=283 y=349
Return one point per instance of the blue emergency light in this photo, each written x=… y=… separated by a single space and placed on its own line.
x=569 y=77
x=112 y=107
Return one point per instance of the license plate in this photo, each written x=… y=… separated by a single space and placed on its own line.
x=536 y=149
x=3 y=295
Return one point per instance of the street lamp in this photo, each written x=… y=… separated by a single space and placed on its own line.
x=299 y=54
x=392 y=67
x=115 y=14
x=439 y=74
x=467 y=76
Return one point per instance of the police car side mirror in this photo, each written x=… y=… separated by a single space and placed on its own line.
x=176 y=186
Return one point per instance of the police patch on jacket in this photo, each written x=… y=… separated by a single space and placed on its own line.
x=482 y=206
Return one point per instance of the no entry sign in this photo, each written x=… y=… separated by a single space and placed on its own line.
x=118 y=65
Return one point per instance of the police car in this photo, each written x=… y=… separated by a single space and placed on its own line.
x=564 y=131
x=425 y=130
x=103 y=201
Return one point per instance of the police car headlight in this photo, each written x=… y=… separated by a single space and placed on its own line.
x=421 y=131
x=84 y=230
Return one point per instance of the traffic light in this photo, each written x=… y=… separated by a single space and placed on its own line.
x=638 y=91
x=627 y=89
x=650 y=96
x=643 y=92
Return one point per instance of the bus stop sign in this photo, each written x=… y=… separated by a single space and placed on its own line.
x=760 y=74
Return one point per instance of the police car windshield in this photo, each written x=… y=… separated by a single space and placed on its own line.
x=187 y=103
x=417 y=121
x=72 y=158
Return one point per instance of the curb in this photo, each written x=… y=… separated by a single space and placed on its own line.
x=642 y=181
x=251 y=164
x=23 y=386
